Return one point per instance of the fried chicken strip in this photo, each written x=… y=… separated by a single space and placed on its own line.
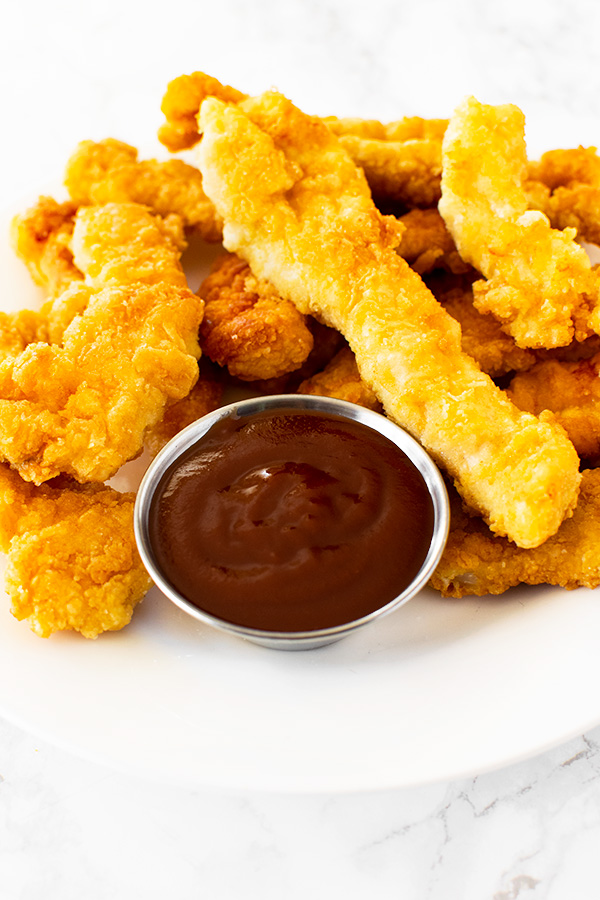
x=410 y=128
x=122 y=243
x=483 y=339
x=427 y=244
x=402 y=160
x=572 y=391
x=476 y=562
x=540 y=282
x=109 y=171
x=565 y=185
x=81 y=407
x=41 y=238
x=247 y=326
x=203 y=398
x=72 y=557
x=341 y=379
x=300 y=212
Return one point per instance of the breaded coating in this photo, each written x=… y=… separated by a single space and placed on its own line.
x=410 y=128
x=540 y=283
x=341 y=379
x=427 y=244
x=180 y=105
x=565 y=185
x=81 y=407
x=483 y=338
x=109 y=171
x=73 y=563
x=571 y=390
x=122 y=243
x=300 y=212
x=402 y=160
x=247 y=326
x=476 y=562
x=204 y=397
x=41 y=239
x=407 y=172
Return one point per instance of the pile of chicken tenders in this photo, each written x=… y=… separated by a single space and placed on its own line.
x=423 y=268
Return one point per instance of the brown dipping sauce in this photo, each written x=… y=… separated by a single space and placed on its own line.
x=291 y=521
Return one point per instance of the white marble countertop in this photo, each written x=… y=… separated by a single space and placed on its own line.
x=71 y=828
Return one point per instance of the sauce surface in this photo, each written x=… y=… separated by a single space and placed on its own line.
x=291 y=520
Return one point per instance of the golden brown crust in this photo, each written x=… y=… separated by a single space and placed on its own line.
x=539 y=281
x=41 y=238
x=341 y=379
x=475 y=562
x=482 y=337
x=300 y=212
x=204 y=397
x=109 y=171
x=181 y=102
x=427 y=244
x=82 y=406
x=72 y=557
x=248 y=327
x=571 y=390
x=410 y=128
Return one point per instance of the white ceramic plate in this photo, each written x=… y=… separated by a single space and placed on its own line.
x=438 y=690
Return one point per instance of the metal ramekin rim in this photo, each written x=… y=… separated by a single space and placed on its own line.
x=292 y=639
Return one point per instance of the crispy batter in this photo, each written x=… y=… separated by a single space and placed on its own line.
x=563 y=168
x=483 y=338
x=203 y=398
x=109 y=171
x=180 y=105
x=341 y=379
x=405 y=172
x=476 y=562
x=121 y=243
x=248 y=327
x=82 y=407
x=540 y=283
x=410 y=128
x=565 y=185
x=300 y=212
x=427 y=244
x=41 y=238
x=572 y=391
x=72 y=558
x=402 y=160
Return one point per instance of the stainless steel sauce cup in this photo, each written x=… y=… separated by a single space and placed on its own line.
x=294 y=640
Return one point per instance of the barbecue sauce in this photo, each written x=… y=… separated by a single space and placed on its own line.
x=291 y=520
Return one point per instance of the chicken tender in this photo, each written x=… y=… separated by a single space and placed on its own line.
x=402 y=161
x=341 y=379
x=482 y=337
x=407 y=172
x=72 y=557
x=121 y=243
x=565 y=185
x=109 y=171
x=540 y=282
x=41 y=238
x=410 y=128
x=248 y=327
x=427 y=244
x=476 y=562
x=180 y=105
x=204 y=397
x=81 y=407
x=572 y=391
x=300 y=212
